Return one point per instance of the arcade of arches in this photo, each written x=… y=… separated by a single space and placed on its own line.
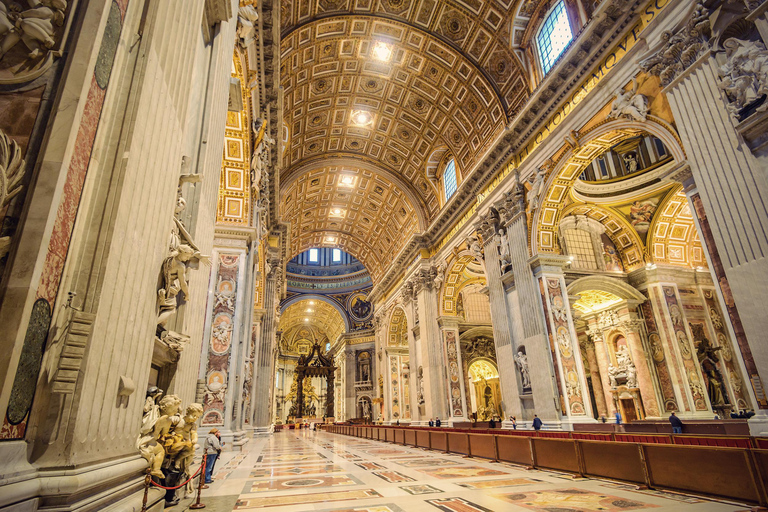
x=251 y=215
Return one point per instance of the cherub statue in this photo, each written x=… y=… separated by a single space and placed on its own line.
x=183 y=438
x=162 y=434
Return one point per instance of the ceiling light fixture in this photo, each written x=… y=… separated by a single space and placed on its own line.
x=382 y=51
x=361 y=118
x=347 y=180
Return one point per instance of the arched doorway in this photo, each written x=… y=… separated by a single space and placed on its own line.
x=484 y=390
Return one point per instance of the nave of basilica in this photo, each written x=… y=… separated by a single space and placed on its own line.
x=521 y=231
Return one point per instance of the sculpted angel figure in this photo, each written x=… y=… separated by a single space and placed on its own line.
x=629 y=104
x=34 y=27
x=537 y=187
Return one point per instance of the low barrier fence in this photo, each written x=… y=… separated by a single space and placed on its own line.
x=727 y=467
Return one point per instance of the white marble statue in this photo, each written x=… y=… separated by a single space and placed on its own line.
x=439 y=275
x=537 y=188
x=247 y=16
x=744 y=76
x=522 y=363
x=629 y=104
x=630 y=160
x=475 y=249
x=35 y=27
x=12 y=171
x=183 y=256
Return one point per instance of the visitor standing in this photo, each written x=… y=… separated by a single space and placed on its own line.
x=431 y=422
x=677 y=425
x=212 y=448
x=492 y=423
x=617 y=415
x=536 y=422
x=438 y=422
x=514 y=423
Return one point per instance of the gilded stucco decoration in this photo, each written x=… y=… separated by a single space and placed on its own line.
x=557 y=195
x=350 y=207
x=398 y=329
x=462 y=271
x=673 y=237
x=316 y=315
x=392 y=90
x=234 y=201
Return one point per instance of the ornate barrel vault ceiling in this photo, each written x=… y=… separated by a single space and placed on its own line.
x=444 y=86
x=319 y=316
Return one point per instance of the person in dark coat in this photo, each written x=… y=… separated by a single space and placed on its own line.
x=492 y=423
x=536 y=422
x=431 y=422
x=677 y=425
x=438 y=422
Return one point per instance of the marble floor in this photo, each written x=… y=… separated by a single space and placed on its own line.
x=315 y=471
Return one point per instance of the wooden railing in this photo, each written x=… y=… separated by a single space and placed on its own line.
x=734 y=467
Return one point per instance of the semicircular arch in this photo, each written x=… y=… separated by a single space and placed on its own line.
x=572 y=163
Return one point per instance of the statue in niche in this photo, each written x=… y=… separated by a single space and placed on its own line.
x=183 y=256
x=625 y=369
x=366 y=409
x=420 y=386
x=522 y=363
x=715 y=389
x=630 y=160
x=744 y=76
x=629 y=104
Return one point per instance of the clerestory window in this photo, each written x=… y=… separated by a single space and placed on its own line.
x=554 y=36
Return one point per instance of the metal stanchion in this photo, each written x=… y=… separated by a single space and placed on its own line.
x=147 y=483
x=197 y=505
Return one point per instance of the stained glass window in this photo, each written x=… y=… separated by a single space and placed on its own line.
x=554 y=36
x=449 y=180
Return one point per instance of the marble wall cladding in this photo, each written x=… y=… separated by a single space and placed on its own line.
x=552 y=344
x=685 y=347
x=733 y=314
x=556 y=299
x=394 y=378
x=159 y=128
x=659 y=359
x=454 y=384
x=220 y=343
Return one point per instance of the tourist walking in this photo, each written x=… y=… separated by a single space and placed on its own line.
x=536 y=422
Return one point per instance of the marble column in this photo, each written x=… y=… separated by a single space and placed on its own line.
x=597 y=379
x=632 y=331
x=603 y=359
x=350 y=394
x=457 y=394
x=569 y=371
x=525 y=311
x=265 y=354
x=732 y=189
x=430 y=345
x=258 y=316
x=509 y=379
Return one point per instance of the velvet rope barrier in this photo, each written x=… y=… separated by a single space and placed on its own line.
x=148 y=482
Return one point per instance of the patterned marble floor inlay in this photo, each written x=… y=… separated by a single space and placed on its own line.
x=308 y=471
x=393 y=476
x=458 y=505
x=492 y=484
x=575 y=500
x=296 y=470
x=301 y=483
x=461 y=472
x=299 y=499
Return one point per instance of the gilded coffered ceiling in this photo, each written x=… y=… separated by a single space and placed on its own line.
x=309 y=316
x=396 y=86
x=352 y=208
